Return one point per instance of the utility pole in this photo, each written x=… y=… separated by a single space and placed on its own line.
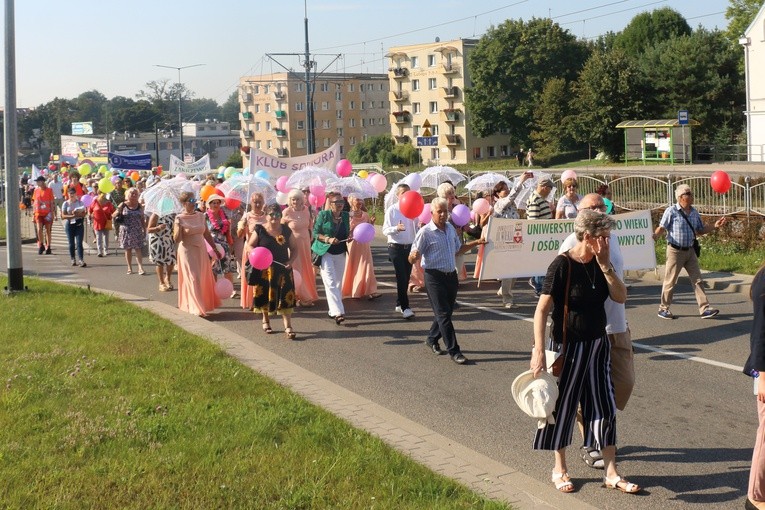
x=308 y=81
x=180 y=98
x=12 y=219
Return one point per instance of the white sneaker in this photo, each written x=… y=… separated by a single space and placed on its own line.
x=408 y=313
x=509 y=305
x=398 y=309
x=499 y=292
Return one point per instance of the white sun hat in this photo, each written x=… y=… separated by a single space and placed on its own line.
x=536 y=397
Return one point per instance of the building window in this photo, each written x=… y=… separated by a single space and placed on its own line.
x=434 y=154
x=415 y=85
x=352 y=105
x=382 y=87
x=257 y=145
x=415 y=62
x=363 y=123
x=299 y=106
x=363 y=105
x=490 y=152
x=416 y=130
x=257 y=126
x=416 y=108
x=476 y=153
x=433 y=107
x=371 y=122
x=268 y=125
x=431 y=84
x=338 y=96
x=339 y=114
x=353 y=140
x=325 y=105
x=339 y=132
x=434 y=129
x=325 y=87
x=503 y=151
x=257 y=108
x=300 y=144
x=431 y=61
x=266 y=89
x=256 y=89
x=326 y=142
x=268 y=107
x=350 y=87
x=269 y=145
x=381 y=121
x=298 y=87
x=325 y=124
x=352 y=122
x=300 y=125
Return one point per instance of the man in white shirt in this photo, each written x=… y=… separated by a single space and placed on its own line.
x=58 y=191
x=617 y=329
x=400 y=231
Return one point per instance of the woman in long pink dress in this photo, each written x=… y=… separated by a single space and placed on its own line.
x=255 y=216
x=299 y=219
x=359 y=277
x=196 y=283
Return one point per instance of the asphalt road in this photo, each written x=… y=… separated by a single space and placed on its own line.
x=686 y=435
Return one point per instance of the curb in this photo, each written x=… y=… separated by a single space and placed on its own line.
x=712 y=280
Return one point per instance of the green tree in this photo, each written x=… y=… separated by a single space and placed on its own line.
x=200 y=109
x=371 y=150
x=509 y=67
x=650 y=28
x=698 y=73
x=230 y=110
x=552 y=119
x=235 y=159
x=610 y=89
x=740 y=14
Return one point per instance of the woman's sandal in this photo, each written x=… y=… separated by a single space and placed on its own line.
x=565 y=486
x=620 y=484
x=374 y=296
x=267 y=327
x=290 y=333
x=339 y=319
x=592 y=457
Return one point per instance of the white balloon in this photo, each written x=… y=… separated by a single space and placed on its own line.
x=282 y=198
x=414 y=181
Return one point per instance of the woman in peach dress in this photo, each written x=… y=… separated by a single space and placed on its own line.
x=299 y=219
x=359 y=277
x=255 y=216
x=196 y=283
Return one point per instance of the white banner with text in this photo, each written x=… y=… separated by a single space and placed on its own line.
x=276 y=167
x=521 y=248
x=200 y=166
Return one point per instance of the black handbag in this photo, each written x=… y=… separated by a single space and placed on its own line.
x=696 y=245
x=315 y=259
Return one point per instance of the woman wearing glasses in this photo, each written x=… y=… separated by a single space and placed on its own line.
x=273 y=288
x=196 y=283
x=255 y=216
x=568 y=204
x=332 y=231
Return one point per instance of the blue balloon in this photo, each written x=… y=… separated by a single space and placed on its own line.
x=262 y=174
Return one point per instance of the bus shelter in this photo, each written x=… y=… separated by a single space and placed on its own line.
x=658 y=140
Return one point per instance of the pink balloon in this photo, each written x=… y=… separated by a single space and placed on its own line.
x=224 y=288
x=261 y=257
x=567 y=174
x=370 y=175
x=344 y=168
x=461 y=215
x=481 y=206
x=379 y=182
x=297 y=278
x=87 y=200
x=181 y=177
x=313 y=200
x=363 y=233
x=316 y=189
x=281 y=184
x=211 y=252
x=425 y=215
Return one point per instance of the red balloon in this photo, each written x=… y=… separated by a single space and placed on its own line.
x=720 y=181
x=233 y=203
x=411 y=204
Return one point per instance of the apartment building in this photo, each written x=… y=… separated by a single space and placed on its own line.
x=427 y=83
x=348 y=108
x=753 y=43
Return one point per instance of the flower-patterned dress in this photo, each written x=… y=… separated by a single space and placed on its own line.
x=220 y=227
x=161 y=244
x=273 y=287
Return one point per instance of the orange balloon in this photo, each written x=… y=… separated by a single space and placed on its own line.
x=134 y=176
x=205 y=192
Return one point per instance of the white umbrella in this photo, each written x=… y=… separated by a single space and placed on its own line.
x=353 y=184
x=164 y=197
x=310 y=176
x=242 y=187
x=486 y=182
x=435 y=175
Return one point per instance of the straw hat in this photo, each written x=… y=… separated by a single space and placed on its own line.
x=214 y=197
x=536 y=397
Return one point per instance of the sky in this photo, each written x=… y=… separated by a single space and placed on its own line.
x=64 y=48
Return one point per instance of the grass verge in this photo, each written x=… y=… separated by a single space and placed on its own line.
x=105 y=405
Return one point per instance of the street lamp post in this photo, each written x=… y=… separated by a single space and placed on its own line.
x=180 y=97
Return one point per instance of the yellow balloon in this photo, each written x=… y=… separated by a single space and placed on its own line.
x=363 y=174
x=85 y=168
x=105 y=185
x=83 y=180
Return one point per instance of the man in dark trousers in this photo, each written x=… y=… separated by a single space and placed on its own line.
x=438 y=243
x=400 y=231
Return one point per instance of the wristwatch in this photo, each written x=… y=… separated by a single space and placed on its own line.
x=610 y=270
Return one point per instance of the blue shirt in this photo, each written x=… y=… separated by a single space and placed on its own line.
x=437 y=247
x=678 y=231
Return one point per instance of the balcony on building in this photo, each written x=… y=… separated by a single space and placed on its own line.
x=401 y=117
x=402 y=139
x=451 y=92
x=247 y=115
x=247 y=133
x=450 y=69
x=246 y=97
x=399 y=72
x=282 y=153
x=453 y=139
x=279 y=95
x=281 y=133
x=280 y=114
x=400 y=96
x=451 y=114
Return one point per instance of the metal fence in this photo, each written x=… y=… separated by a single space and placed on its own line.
x=641 y=192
